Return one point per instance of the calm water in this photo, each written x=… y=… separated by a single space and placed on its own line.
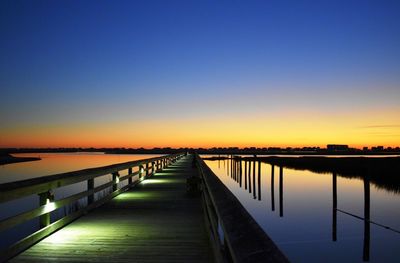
x=300 y=218
x=297 y=213
x=53 y=163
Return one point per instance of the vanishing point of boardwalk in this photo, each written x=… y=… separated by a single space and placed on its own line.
x=153 y=222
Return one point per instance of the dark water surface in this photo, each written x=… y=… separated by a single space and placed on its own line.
x=54 y=163
x=298 y=212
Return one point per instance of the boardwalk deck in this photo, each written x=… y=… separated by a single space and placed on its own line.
x=153 y=222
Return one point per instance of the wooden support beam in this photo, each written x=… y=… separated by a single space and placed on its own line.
x=272 y=188
x=115 y=178
x=280 y=191
x=334 y=207
x=259 y=180
x=90 y=186
x=130 y=178
x=45 y=199
x=254 y=179
x=367 y=217
x=245 y=175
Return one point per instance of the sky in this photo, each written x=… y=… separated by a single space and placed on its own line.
x=199 y=73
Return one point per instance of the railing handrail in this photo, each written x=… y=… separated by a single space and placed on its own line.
x=17 y=189
x=244 y=240
x=44 y=185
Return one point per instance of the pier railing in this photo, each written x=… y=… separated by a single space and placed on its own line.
x=44 y=188
x=235 y=235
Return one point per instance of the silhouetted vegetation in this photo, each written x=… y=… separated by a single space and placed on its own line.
x=6 y=158
x=383 y=171
x=222 y=150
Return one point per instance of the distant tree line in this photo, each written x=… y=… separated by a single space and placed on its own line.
x=219 y=150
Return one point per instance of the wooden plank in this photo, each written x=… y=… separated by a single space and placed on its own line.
x=155 y=221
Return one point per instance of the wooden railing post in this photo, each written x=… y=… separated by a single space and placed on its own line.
x=115 y=179
x=140 y=171
x=130 y=178
x=90 y=186
x=44 y=199
x=147 y=169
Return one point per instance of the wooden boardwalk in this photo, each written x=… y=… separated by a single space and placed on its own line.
x=153 y=222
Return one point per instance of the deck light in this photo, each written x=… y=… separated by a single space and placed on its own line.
x=50 y=205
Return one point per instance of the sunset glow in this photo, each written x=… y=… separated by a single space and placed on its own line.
x=199 y=74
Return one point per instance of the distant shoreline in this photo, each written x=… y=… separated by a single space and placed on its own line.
x=215 y=151
x=8 y=159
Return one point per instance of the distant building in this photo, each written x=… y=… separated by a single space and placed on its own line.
x=337 y=147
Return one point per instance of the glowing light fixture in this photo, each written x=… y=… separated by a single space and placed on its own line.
x=50 y=205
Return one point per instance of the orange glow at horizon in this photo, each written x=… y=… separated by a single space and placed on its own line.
x=286 y=129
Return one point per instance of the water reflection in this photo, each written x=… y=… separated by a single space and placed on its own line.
x=367 y=226
x=251 y=172
x=334 y=207
x=366 y=219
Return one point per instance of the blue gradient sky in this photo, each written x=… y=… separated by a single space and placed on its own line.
x=86 y=65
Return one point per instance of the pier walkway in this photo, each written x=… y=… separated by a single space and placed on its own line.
x=153 y=222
